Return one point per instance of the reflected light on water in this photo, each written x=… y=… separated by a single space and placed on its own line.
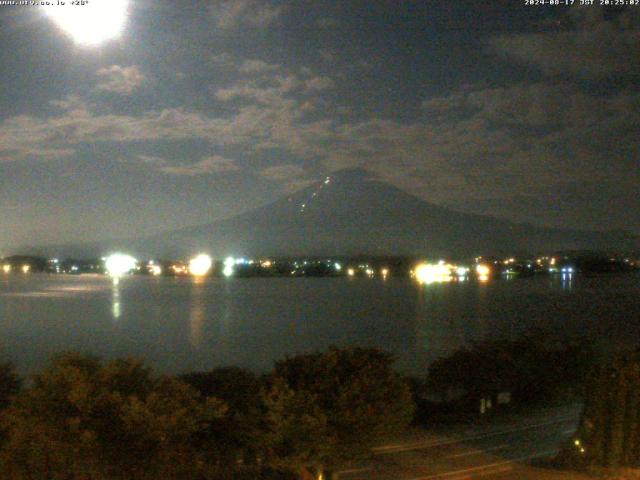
x=116 y=310
x=197 y=312
x=566 y=281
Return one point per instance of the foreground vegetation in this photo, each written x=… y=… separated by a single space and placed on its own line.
x=608 y=435
x=313 y=414
x=82 y=418
x=535 y=368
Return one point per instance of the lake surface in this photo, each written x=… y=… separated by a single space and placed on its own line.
x=183 y=324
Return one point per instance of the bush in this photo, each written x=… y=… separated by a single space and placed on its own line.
x=532 y=369
x=9 y=384
x=85 y=419
x=326 y=409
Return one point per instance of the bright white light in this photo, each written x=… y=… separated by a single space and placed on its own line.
x=119 y=264
x=26 y=268
x=483 y=270
x=155 y=270
x=337 y=266
x=351 y=272
x=427 y=273
x=200 y=265
x=229 y=263
x=93 y=23
x=462 y=271
x=6 y=268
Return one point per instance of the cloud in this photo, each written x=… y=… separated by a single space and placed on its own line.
x=121 y=80
x=70 y=102
x=223 y=59
x=257 y=67
x=277 y=90
x=468 y=146
x=319 y=83
x=590 y=48
x=283 y=172
x=326 y=22
x=208 y=165
x=232 y=14
x=205 y=166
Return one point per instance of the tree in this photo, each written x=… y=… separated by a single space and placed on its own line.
x=533 y=368
x=327 y=409
x=609 y=430
x=238 y=436
x=9 y=384
x=85 y=419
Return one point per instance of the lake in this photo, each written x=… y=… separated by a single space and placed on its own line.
x=184 y=324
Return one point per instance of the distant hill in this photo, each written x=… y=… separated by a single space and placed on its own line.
x=351 y=213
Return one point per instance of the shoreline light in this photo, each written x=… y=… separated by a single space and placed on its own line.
x=483 y=270
x=462 y=271
x=229 y=262
x=427 y=273
x=200 y=265
x=119 y=264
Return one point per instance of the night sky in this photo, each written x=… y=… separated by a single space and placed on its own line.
x=201 y=110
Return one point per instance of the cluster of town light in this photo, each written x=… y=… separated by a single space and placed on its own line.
x=154 y=269
x=119 y=264
x=200 y=265
x=427 y=273
x=6 y=268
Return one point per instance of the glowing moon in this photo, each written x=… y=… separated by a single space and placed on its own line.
x=92 y=23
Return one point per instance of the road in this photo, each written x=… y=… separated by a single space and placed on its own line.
x=500 y=450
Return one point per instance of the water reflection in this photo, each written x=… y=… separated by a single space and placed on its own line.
x=180 y=324
x=566 y=281
x=116 y=310
x=436 y=329
x=197 y=312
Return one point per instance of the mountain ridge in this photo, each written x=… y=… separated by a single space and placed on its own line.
x=351 y=212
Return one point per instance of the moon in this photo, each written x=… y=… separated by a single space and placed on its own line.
x=91 y=23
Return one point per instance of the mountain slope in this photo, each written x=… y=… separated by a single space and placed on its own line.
x=350 y=213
